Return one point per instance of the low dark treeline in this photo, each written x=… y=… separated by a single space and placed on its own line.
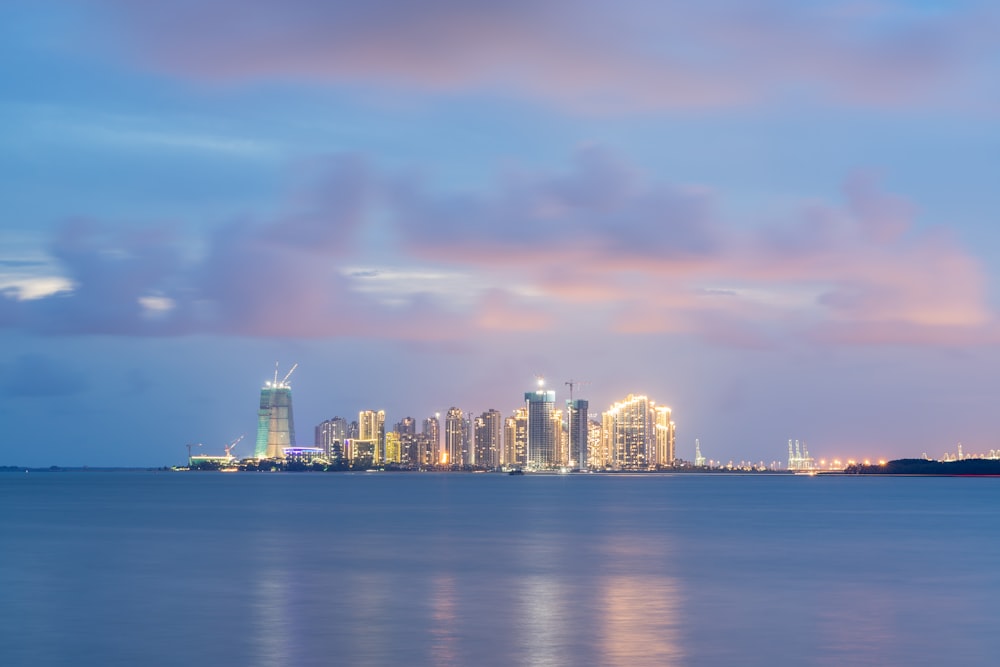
x=925 y=467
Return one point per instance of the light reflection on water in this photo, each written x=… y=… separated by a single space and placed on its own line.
x=126 y=569
x=643 y=621
x=444 y=618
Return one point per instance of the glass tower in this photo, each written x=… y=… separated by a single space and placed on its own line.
x=543 y=448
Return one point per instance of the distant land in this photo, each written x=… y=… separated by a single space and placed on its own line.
x=926 y=467
x=79 y=469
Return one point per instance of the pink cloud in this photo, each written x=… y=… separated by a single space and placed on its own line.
x=585 y=55
x=861 y=267
x=598 y=247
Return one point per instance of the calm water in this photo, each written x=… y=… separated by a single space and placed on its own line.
x=437 y=569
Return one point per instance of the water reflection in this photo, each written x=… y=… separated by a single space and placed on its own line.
x=640 y=604
x=270 y=614
x=444 y=617
x=642 y=619
x=544 y=633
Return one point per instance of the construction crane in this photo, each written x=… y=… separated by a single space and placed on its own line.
x=229 y=448
x=189 y=446
x=284 y=381
x=283 y=384
x=574 y=383
x=541 y=380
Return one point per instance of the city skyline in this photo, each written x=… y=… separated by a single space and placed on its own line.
x=778 y=216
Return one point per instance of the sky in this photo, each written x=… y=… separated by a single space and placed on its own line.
x=777 y=217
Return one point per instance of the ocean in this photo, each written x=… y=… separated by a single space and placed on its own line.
x=268 y=569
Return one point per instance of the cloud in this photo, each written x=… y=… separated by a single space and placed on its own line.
x=587 y=55
x=600 y=206
x=40 y=376
x=598 y=247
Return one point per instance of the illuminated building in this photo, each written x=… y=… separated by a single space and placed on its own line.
x=330 y=437
x=362 y=452
x=406 y=426
x=432 y=432
x=596 y=459
x=560 y=437
x=408 y=450
x=371 y=428
x=664 y=431
x=627 y=433
x=579 y=433
x=454 y=437
x=515 y=439
x=489 y=428
x=302 y=454
x=543 y=445
x=393 y=448
x=275 y=426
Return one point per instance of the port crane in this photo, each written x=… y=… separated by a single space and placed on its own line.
x=232 y=445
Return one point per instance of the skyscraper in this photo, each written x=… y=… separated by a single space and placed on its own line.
x=432 y=434
x=275 y=426
x=664 y=428
x=489 y=427
x=330 y=436
x=578 y=432
x=371 y=433
x=628 y=433
x=543 y=447
x=454 y=437
x=406 y=426
x=515 y=439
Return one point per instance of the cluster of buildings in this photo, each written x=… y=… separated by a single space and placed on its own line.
x=633 y=434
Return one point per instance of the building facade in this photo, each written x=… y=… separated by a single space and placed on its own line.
x=275 y=424
x=488 y=439
x=543 y=445
x=578 y=433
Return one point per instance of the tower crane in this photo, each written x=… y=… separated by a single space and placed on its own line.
x=574 y=383
x=284 y=381
x=231 y=446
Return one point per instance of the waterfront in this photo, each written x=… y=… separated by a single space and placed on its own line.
x=452 y=569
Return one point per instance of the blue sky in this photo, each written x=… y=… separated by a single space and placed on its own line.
x=777 y=217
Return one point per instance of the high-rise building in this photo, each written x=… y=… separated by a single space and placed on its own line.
x=489 y=427
x=561 y=437
x=275 y=426
x=576 y=412
x=330 y=437
x=454 y=437
x=663 y=425
x=515 y=439
x=371 y=429
x=406 y=426
x=432 y=432
x=393 y=447
x=597 y=458
x=628 y=433
x=543 y=446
